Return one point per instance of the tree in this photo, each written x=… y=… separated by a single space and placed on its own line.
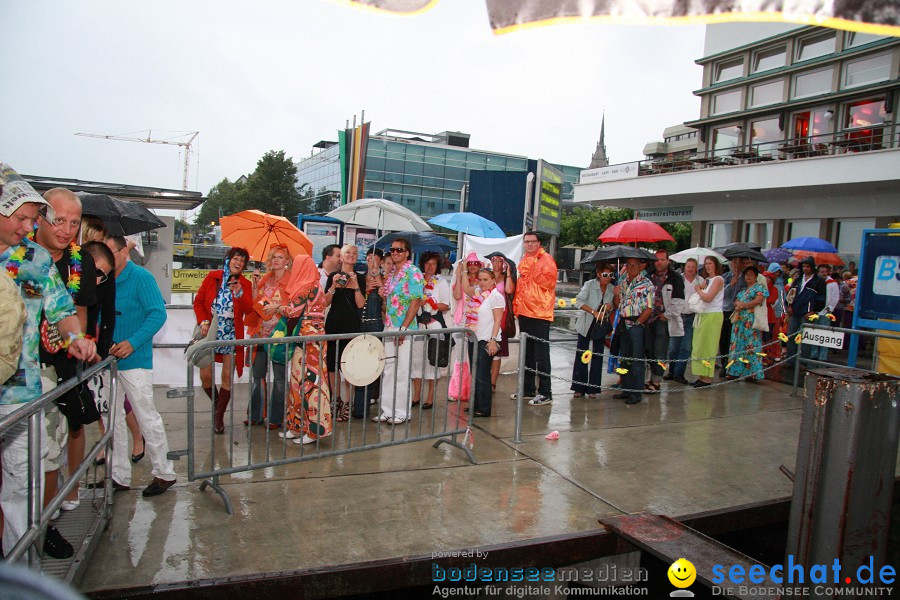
x=272 y=188
x=584 y=224
x=226 y=198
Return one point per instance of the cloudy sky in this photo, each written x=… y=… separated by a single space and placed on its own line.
x=264 y=75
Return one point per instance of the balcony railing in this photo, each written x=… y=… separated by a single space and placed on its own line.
x=862 y=139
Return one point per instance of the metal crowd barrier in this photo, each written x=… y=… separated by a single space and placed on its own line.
x=39 y=516
x=266 y=449
x=801 y=360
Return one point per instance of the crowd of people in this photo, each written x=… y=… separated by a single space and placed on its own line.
x=83 y=300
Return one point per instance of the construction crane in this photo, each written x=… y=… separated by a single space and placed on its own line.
x=173 y=141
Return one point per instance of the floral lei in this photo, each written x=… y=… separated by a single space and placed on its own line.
x=74 y=283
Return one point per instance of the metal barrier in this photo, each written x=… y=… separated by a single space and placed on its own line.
x=801 y=360
x=358 y=434
x=39 y=516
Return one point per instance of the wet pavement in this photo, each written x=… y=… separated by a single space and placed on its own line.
x=677 y=453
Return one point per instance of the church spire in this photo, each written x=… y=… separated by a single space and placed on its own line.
x=599 y=159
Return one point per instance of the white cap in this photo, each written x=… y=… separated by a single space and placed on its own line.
x=17 y=191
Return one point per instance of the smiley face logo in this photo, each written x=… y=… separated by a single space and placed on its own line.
x=682 y=573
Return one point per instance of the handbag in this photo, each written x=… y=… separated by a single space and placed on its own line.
x=598 y=329
x=439 y=347
x=695 y=303
x=460 y=380
x=508 y=328
x=760 y=318
x=203 y=359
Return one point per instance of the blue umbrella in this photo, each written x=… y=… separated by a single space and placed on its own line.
x=469 y=223
x=810 y=244
x=778 y=255
x=421 y=242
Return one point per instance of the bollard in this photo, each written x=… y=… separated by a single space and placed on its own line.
x=846 y=457
x=520 y=386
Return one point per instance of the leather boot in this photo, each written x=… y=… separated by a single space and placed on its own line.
x=211 y=392
x=221 y=407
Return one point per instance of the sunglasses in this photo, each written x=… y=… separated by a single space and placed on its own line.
x=397 y=250
x=606 y=275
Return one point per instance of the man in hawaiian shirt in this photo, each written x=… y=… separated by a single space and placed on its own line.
x=404 y=293
x=33 y=270
x=636 y=306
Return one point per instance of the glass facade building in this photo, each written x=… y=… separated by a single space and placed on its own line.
x=424 y=177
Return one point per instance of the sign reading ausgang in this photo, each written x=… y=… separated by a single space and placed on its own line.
x=820 y=337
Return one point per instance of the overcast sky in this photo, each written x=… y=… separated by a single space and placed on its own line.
x=267 y=75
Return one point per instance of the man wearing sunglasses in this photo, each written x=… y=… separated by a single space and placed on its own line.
x=33 y=271
x=404 y=293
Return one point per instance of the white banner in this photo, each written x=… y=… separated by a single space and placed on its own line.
x=511 y=247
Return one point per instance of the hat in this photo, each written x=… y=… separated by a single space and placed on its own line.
x=376 y=251
x=773 y=268
x=17 y=191
x=493 y=254
x=472 y=258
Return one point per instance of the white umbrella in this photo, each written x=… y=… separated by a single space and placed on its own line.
x=382 y=215
x=698 y=254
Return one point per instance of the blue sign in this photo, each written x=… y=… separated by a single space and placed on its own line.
x=878 y=288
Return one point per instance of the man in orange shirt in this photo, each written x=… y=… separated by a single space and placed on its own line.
x=533 y=304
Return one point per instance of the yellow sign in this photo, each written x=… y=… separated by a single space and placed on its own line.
x=187 y=281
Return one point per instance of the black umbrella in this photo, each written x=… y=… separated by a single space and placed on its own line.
x=425 y=241
x=614 y=253
x=742 y=250
x=121 y=217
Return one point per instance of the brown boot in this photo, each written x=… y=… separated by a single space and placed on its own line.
x=210 y=391
x=221 y=407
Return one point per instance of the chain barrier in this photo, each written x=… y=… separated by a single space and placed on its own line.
x=599 y=389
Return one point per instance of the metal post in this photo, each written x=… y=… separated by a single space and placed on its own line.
x=846 y=459
x=35 y=482
x=520 y=387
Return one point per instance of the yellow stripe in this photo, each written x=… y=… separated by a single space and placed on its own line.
x=770 y=17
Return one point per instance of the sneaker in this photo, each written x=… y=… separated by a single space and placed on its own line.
x=308 y=440
x=288 y=434
x=70 y=504
x=396 y=420
x=515 y=396
x=55 y=545
x=380 y=418
x=540 y=400
x=157 y=487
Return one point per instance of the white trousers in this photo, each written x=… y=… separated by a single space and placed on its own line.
x=395 y=399
x=138 y=384
x=14 y=486
x=421 y=368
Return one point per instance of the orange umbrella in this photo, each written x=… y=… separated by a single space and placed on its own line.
x=258 y=231
x=821 y=258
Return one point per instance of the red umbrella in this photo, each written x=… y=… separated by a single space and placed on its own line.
x=821 y=258
x=633 y=231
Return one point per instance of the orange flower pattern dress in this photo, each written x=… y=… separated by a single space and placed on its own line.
x=310 y=407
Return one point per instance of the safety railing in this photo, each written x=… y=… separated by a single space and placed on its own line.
x=28 y=421
x=317 y=423
x=831 y=331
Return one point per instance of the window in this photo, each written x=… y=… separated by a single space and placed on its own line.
x=766 y=93
x=758 y=232
x=726 y=102
x=855 y=39
x=718 y=234
x=867 y=70
x=814 y=124
x=772 y=58
x=763 y=135
x=725 y=139
x=813 y=83
x=727 y=70
x=816 y=46
x=848 y=234
x=864 y=113
x=803 y=228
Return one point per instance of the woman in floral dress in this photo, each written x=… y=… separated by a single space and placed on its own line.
x=746 y=342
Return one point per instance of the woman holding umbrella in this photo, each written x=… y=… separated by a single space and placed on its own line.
x=227 y=295
x=595 y=300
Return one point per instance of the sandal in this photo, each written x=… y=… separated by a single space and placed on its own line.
x=428 y=406
x=343 y=411
x=577 y=395
x=651 y=387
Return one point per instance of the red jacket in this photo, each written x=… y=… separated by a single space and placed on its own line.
x=206 y=295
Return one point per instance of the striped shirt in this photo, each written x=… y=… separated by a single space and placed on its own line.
x=637 y=296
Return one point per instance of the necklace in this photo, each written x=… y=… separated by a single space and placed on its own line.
x=15 y=261
x=74 y=283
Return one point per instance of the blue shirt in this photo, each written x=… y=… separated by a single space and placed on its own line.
x=140 y=313
x=42 y=289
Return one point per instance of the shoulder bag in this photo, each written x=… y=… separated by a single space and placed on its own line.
x=439 y=347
